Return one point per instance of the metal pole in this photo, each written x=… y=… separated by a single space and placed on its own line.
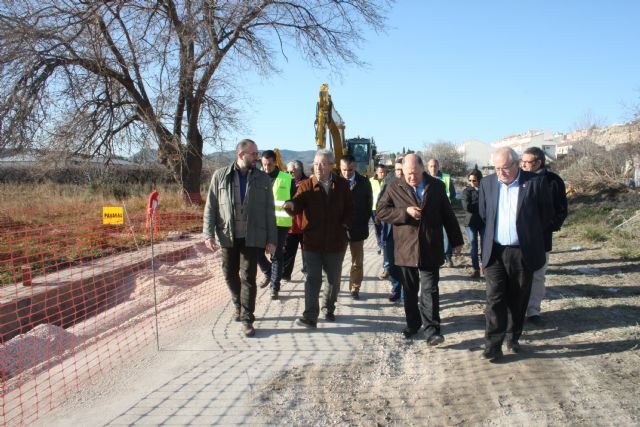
x=153 y=270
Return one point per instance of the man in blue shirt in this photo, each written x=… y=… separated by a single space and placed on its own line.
x=516 y=208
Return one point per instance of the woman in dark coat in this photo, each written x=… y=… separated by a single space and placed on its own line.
x=472 y=221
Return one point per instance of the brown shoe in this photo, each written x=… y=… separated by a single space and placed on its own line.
x=384 y=275
x=265 y=282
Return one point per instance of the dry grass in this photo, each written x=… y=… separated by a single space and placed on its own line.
x=49 y=227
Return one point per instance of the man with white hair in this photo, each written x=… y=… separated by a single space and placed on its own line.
x=326 y=205
x=516 y=208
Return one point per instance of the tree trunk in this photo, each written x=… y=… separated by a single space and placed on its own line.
x=192 y=167
x=184 y=163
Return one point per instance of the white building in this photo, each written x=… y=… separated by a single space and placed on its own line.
x=545 y=140
x=474 y=153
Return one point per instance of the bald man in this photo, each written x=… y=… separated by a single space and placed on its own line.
x=418 y=208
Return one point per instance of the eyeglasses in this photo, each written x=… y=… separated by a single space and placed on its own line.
x=290 y=172
x=528 y=162
x=505 y=169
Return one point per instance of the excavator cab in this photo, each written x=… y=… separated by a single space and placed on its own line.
x=364 y=151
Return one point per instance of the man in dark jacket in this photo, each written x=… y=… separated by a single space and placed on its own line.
x=472 y=221
x=359 y=228
x=419 y=208
x=327 y=211
x=516 y=209
x=533 y=160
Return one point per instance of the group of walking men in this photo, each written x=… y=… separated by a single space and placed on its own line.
x=252 y=213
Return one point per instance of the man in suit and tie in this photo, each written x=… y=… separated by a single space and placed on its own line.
x=419 y=210
x=517 y=209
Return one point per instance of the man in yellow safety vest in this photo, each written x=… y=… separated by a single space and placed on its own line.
x=283 y=190
x=377 y=182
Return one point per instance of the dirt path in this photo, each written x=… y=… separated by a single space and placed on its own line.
x=581 y=368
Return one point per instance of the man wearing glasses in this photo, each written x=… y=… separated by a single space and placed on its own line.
x=239 y=212
x=516 y=208
x=533 y=160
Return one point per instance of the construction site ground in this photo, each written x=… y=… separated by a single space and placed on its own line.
x=582 y=367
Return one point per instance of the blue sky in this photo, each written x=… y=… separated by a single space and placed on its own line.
x=459 y=70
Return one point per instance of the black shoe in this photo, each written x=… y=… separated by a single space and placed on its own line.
x=514 y=348
x=236 y=316
x=491 y=353
x=535 y=320
x=330 y=317
x=248 y=330
x=306 y=323
x=409 y=332
x=265 y=282
x=355 y=295
x=274 y=294
x=394 y=296
x=286 y=278
x=435 y=340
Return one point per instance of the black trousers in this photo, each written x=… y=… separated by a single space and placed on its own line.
x=290 y=251
x=421 y=298
x=239 y=266
x=508 y=289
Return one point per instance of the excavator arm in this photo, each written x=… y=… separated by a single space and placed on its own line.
x=328 y=118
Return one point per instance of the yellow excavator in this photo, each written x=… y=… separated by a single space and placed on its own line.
x=327 y=118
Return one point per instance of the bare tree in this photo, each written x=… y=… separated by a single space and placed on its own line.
x=95 y=76
x=451 y=161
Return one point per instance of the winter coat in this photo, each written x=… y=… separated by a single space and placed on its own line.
x=470 y=205
x=219 y=213
x=560 y=205
x=325 y=217
x=362 y=200
x=419 y=243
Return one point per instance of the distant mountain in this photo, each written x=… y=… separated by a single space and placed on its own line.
x=306 y=157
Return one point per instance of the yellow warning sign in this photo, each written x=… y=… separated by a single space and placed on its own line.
x=112 y=215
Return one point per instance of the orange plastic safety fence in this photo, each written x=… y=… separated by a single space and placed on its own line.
x=78 y=297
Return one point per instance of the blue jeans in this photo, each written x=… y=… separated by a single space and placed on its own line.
x=448 y=250
x=273 y=268
x=472 y=235
x=389 y=264
x=378 y=230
